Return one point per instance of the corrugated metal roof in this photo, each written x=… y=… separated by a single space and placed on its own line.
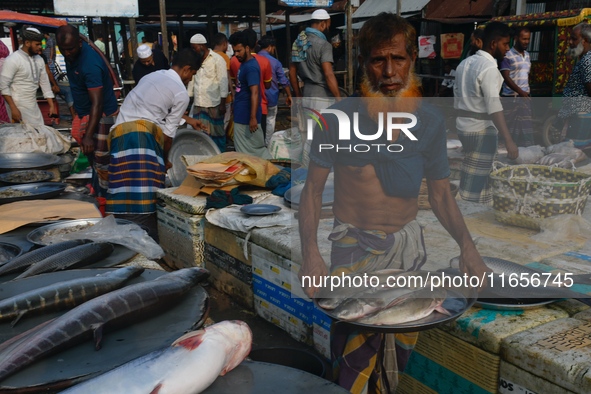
x=373 y=7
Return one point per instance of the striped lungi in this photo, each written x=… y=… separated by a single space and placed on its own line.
x=519 y=120
x=480 y=150
x=100 y=158
x=136 y=169
x=213 y=120
x=370 y=362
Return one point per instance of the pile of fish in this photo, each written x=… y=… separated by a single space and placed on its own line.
x=189 y=366
x=61 y=256
x=383 y=305
x=114 y=309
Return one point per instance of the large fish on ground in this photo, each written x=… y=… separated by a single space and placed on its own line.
x=189 y=366
x=22 y=262
x=77 y=256
x=64 y=295
x=502 y=288
x=129 y=304
x=418 y=305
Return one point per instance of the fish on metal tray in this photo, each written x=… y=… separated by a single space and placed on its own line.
x=190 y=365
x=23 y=261
x=77 y=256
x=64 y=295
x=506 y=268
x=120 y=307
x=329 y=300
x=357 y=308
x=418 y=305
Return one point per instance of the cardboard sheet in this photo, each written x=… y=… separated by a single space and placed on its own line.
x=17 y=214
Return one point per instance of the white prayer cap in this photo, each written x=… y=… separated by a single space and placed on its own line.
x=320 y=15
x=198 y=39
x=144 y=51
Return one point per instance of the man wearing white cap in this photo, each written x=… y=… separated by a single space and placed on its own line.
x=149 y=60
x=209 y=89
x=23 y=73
x=311 y=60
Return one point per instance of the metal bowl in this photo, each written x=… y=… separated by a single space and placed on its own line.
x=37 y=191
x=36 y=236
x=27 y=161
x=9 y=250
x=12 y=178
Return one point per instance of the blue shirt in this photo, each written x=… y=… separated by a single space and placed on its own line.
x=279 y=78
x=519 y=67
x=400 y=173
x=249 y=74
x=89 y=72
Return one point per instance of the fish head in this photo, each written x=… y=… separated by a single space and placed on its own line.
x=233 y=335
x=192 y=275
x=126 y=272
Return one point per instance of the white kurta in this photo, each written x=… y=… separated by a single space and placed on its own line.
x=21 y=76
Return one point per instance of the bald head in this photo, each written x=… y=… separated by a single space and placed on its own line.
x=68 y=40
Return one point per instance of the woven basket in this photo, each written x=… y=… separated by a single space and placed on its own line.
x=424 y=194
x=525 y=194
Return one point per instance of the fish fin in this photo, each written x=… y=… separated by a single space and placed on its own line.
x=156 y=389
x=21 y=314
x=97 y=334
x=191 y=340
x=441 y=309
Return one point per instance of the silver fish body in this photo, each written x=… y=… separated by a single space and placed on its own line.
x=123 y=306
x=24 y=261
x=64 y=295
x=188 y=366
x=501 y=287
x=418 y=305
x=77 y=256
x=330 y=300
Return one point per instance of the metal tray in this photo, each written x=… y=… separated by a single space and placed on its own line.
x=120 y=346
x=293 y=194
x=36 y=235
x=257 y=377
x=26 y=161
x=10 y=249
x=458 y=301
x=42 y=176
x=510 y=304
x=260 y=209
x=188 y=142
x=39 y=191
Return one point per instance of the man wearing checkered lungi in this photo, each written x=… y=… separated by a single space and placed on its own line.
x=480 y=113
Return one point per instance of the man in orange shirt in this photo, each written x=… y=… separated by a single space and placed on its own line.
x=266 y=75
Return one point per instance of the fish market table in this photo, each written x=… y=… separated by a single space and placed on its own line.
x=472 y=354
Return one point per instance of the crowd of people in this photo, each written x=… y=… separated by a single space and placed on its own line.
x=201 y=86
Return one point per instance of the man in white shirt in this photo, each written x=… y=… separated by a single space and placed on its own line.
x=22 y=74
x=480 y=113
x=209 y=89
x=142 y=136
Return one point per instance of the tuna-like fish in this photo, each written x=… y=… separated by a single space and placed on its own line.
x=21 y=262
x=64 y=295
x=77 y=256
x=129 y=304
x=331 y=299
x=190 y=365
x=418 y=305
